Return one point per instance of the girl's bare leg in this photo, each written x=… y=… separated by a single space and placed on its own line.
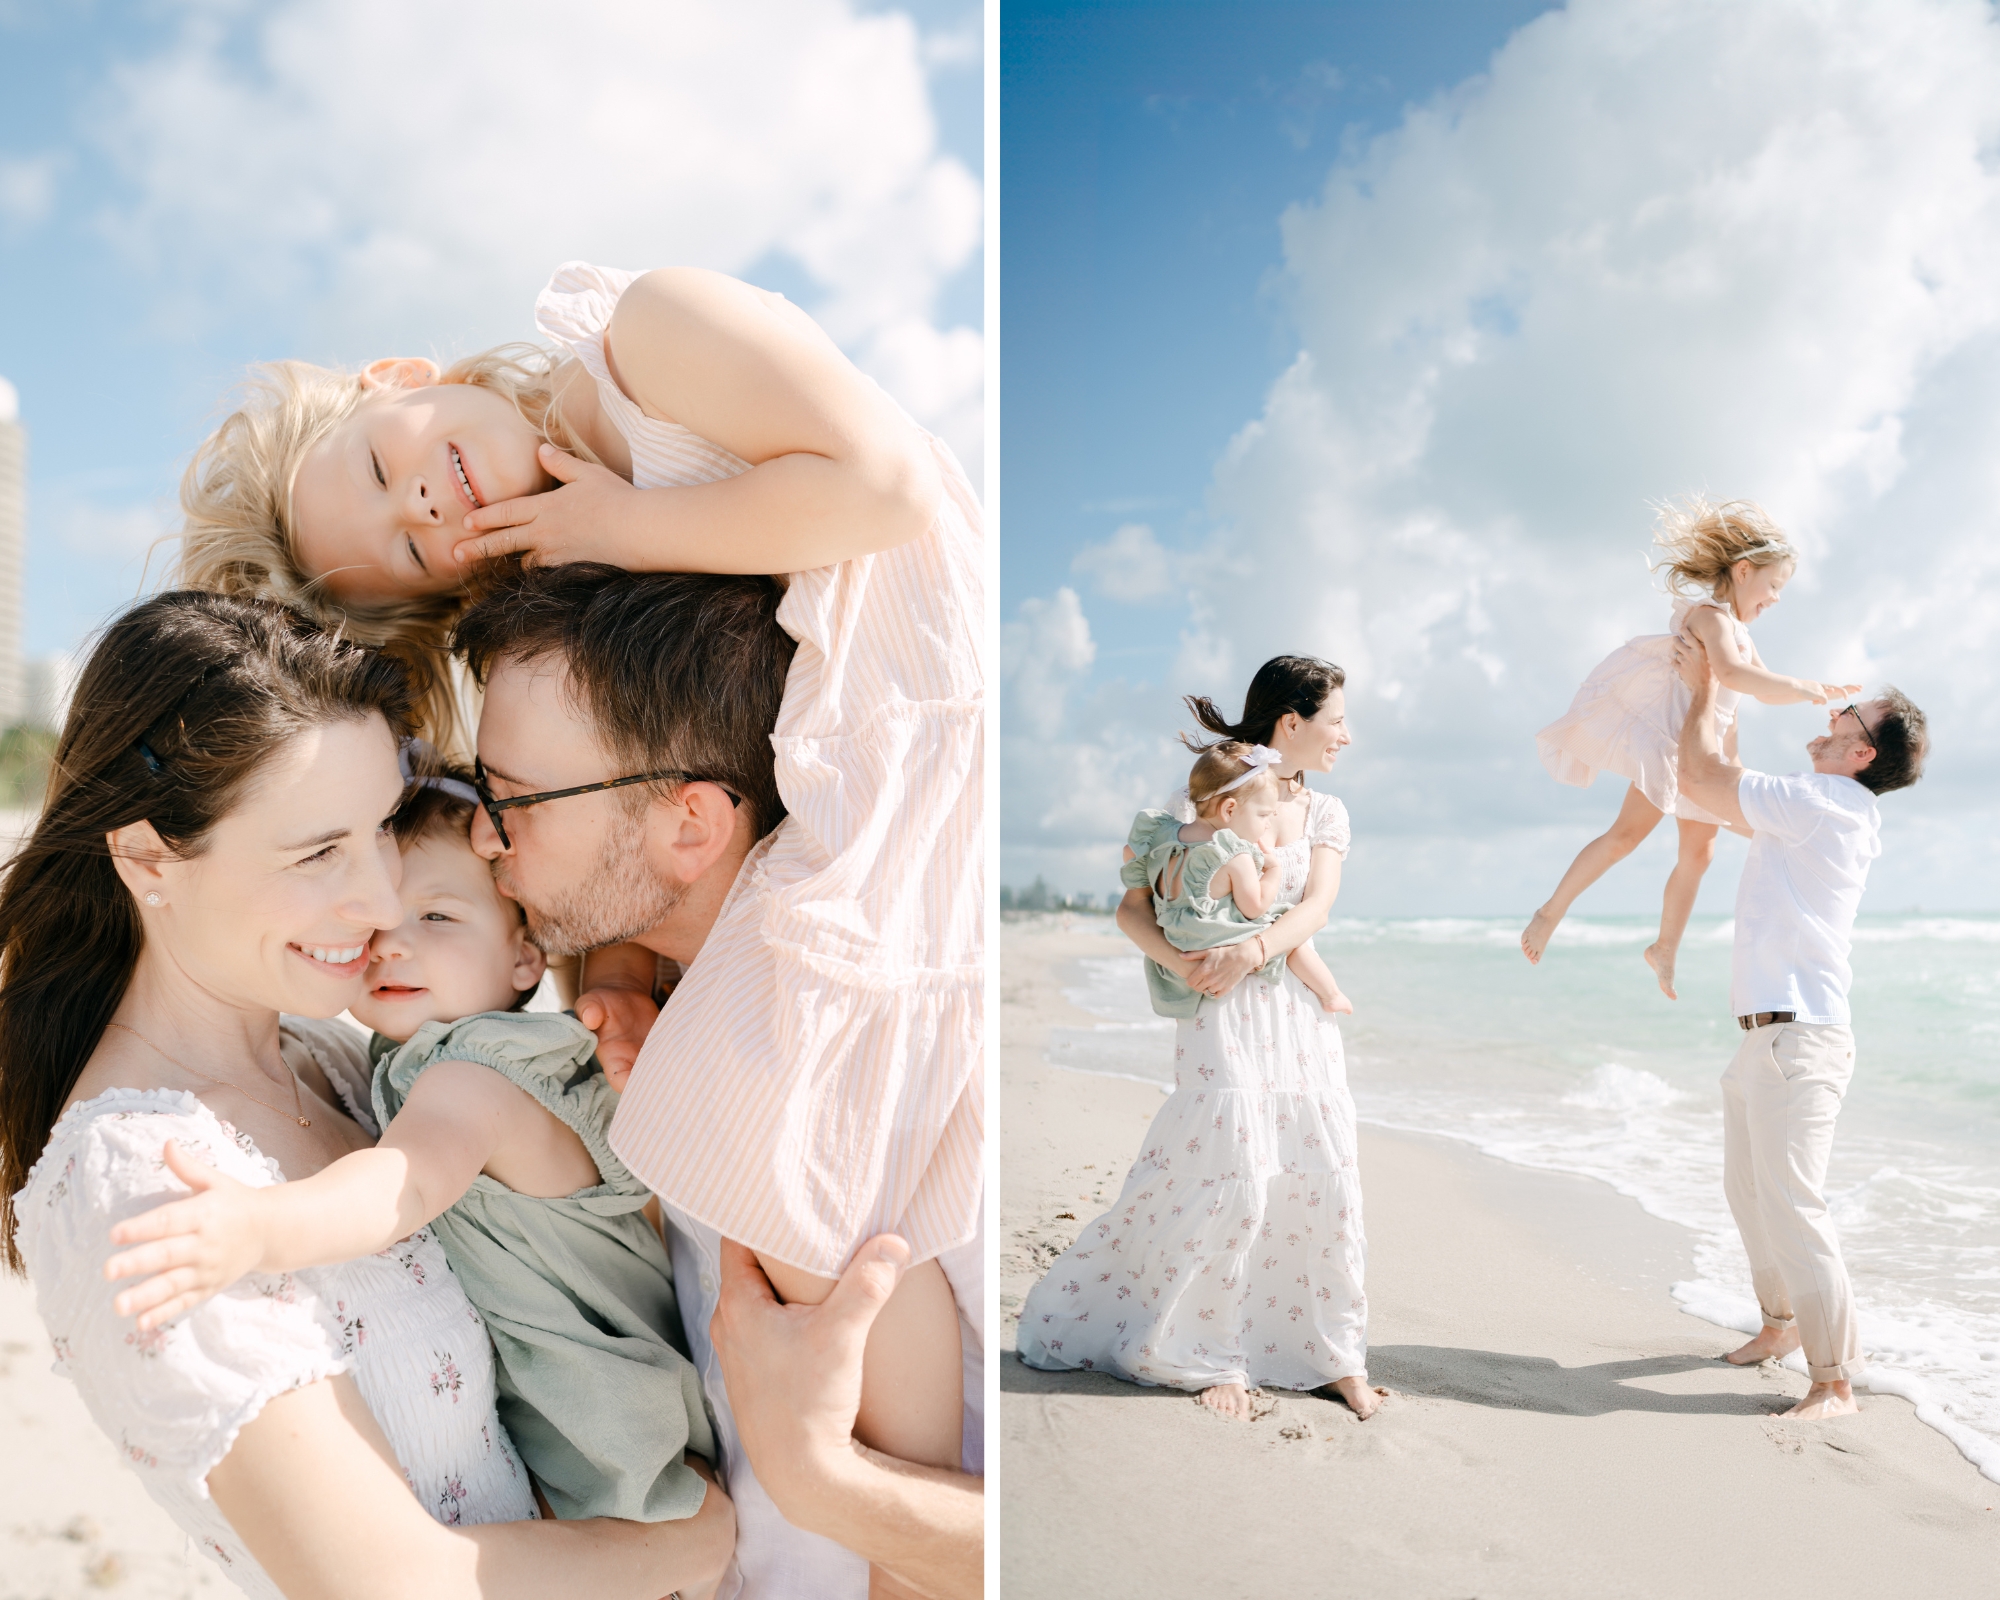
x=912 y=1384
x=1637 y=817
x=1683 y=883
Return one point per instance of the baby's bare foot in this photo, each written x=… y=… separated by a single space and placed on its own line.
x=1334 y=1003
x=1227 y=1400
x=1661 y=960
x=1362 y=1400
x=1771 y=1344
x=1535 y=937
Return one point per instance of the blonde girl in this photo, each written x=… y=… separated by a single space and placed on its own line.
x=1726 y=566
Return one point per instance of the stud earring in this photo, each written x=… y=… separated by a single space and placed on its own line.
x=152 y=897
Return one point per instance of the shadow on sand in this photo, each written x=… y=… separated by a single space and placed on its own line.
x=1479 y=1378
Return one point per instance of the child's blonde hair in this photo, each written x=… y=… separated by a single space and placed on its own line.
x=1700 y=542
x=1219 y=765
x=237 y=532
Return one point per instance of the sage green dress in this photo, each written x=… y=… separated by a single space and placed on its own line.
x=596 y=1388
x=1190 y=918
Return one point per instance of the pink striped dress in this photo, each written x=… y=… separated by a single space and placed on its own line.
x=815 y=1078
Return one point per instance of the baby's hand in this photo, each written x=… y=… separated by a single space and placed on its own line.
x=621 y=1019
x=193 y=1248
x=578 y=520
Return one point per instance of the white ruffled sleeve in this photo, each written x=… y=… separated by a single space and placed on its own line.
x=173 y=1399
x=1326 y=824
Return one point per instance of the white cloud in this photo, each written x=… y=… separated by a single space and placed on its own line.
x=406 y=176
x=27 y=189
x=1129 y=566
x=1656 y=247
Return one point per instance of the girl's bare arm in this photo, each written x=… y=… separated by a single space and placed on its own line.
x=836 y=469
x=1256 y=891
x=313 y=1490
x=1749 y=675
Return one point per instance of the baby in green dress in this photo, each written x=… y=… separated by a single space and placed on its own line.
x=1218 y=880
x=493 y=1133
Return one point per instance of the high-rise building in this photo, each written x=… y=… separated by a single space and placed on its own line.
x=13 y=547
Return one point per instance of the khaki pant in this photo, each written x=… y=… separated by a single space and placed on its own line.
x=1779 y=1100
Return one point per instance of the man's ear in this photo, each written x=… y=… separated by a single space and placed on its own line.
x=142 y=860
x=690 y=833
x=529 y=964
x=400 y=372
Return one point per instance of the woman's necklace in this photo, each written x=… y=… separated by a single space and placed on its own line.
x=298 y=1107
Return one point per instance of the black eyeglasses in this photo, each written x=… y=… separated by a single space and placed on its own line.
x=1854 y=710
x=495 y=806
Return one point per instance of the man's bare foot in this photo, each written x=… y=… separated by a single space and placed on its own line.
x=1825 y=1400
x=1227 y=1400
x=1362 y=1400
x=1661 y=960
x=1535 y=937
x=1771 y=1344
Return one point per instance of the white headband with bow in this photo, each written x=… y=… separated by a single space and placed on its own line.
x=407 y=754
x=1260 y=759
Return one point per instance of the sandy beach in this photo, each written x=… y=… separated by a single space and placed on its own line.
x=1558 y=1427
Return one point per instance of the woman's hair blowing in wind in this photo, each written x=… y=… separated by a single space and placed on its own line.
x=184 y=699
x=1300 y=684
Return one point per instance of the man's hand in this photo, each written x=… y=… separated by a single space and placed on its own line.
x=621 y=1019
x=190 y=1249
x=578 y=520
x=794 y=1372
x=1691 y=661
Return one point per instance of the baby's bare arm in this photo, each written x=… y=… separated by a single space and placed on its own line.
x=1254 y=892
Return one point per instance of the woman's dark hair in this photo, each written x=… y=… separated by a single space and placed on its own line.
x=1284 y=683
x=184 y=699
x=1902 y=741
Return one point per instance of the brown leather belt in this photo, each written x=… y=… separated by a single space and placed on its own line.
x=1763 y=1019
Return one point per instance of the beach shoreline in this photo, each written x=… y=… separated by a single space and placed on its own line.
x=1560 y=1427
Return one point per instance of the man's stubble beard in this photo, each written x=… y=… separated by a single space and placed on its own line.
x=618 y=899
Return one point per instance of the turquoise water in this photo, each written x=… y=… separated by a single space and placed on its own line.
x=1582 y=1065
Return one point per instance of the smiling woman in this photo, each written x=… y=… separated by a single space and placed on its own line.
x=216 y=849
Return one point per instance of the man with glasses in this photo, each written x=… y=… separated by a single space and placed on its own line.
x=1812 y=837
x=629 y=797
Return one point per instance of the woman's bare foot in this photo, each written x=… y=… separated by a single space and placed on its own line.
x=1825 y=1400
x=1661 y=960
x=1535 y=937
x=1227 y=1400
x=1363 y=1401
x=1771 y=1344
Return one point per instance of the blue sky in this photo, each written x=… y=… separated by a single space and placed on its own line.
x=189 y=186
x=1378 y=332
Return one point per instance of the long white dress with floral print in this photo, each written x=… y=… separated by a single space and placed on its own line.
x=174 y=1399
x=1235 y=1252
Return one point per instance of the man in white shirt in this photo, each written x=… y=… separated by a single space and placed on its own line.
x=1812 y=837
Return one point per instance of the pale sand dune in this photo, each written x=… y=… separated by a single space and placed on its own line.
x=1559 y=1428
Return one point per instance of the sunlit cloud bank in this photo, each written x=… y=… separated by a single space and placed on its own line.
x=384 y=175
x=1657 y=247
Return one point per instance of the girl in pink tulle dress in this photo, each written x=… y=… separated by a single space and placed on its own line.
x=1727 y=565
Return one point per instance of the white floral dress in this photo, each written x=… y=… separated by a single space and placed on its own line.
x=1235 y=1252
x=174 y=1399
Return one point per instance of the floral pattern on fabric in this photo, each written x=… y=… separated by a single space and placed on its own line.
x=174 y=1398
